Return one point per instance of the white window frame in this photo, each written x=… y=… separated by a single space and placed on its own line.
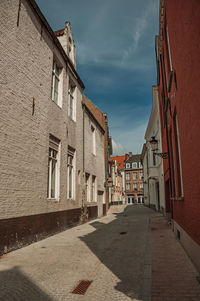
x=128 y=186
x=134 y=175
x=72 y=92
x=141 y=186
x=127 y=176
x=134 y=165
x=57 y=76
x=54 y=157
x=134 y=185
x=127 y=165
x=71 y=173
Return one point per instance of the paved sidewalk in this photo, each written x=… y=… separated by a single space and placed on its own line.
x=173 y=274
x=113 y=252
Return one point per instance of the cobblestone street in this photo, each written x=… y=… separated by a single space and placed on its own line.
x=113 y=252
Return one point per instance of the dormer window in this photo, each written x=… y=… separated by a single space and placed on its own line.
x=127 y=165
x=134 y=165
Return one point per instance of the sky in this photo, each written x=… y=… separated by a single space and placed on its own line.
x=115 y=51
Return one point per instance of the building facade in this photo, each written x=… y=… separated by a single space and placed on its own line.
x=94 y=159
x=116 y=190
x=121 y=167
x=43 y=176
x=152 y=163
x=178 y=65
x=134 y=180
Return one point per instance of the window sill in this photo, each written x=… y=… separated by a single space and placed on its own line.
x=60 y=107
x=71 y=119
x=55 y=200
x=177 y=198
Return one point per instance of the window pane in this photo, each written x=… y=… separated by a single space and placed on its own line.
x=70 y=182
x=53 y=179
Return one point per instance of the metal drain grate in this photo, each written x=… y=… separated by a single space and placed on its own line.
x=81 y=287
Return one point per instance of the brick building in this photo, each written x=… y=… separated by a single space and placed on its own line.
x=47 y=140
x=134 y=179
x=178 y=65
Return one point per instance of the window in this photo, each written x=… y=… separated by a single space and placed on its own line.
x=93 y=140
x=141 y=175
x=128 y=176
x=134 y=165
x=53 y=174
x=154 y=159
x=134 y=185
x=141 y=185
x=56 y=84
x=134 y=176
x=127 y=165
x=128 y=186
x=140 y=165
x=87 y=187
x=70 y=173
x=71 y=101
x=93 y=189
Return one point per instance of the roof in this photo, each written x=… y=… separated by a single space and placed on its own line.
x=43 y=20
x=59 y=32
x=96 y=112
x=134 y=158
x=120 y=161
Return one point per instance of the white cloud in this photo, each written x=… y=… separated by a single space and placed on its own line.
x=118 y=149
x=133 y=139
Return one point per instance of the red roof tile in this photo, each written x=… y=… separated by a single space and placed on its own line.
x=59 y=32
x=120 y=160
x=98 y=115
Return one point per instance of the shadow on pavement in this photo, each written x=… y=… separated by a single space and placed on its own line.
x=121 y=246
x=15 y=286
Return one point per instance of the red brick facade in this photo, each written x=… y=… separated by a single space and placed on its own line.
x=178 y=62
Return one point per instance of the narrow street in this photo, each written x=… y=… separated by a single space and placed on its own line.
x=112 y=252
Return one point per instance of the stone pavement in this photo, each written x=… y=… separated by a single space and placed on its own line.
x=174 y=278
x=113 y=252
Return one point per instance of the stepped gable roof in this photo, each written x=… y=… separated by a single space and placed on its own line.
x=96 y=112
x=120 y=161
x=134 y=158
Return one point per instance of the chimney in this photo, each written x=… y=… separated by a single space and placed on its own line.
x=130 y=154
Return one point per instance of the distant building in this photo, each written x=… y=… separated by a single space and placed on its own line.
x=134 y=179
x=116 y=190
x=178 y=80
x=121 y=166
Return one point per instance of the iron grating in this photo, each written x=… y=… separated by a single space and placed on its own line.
x=81 y=287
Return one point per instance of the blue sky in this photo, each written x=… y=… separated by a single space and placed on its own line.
x=115 y=50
